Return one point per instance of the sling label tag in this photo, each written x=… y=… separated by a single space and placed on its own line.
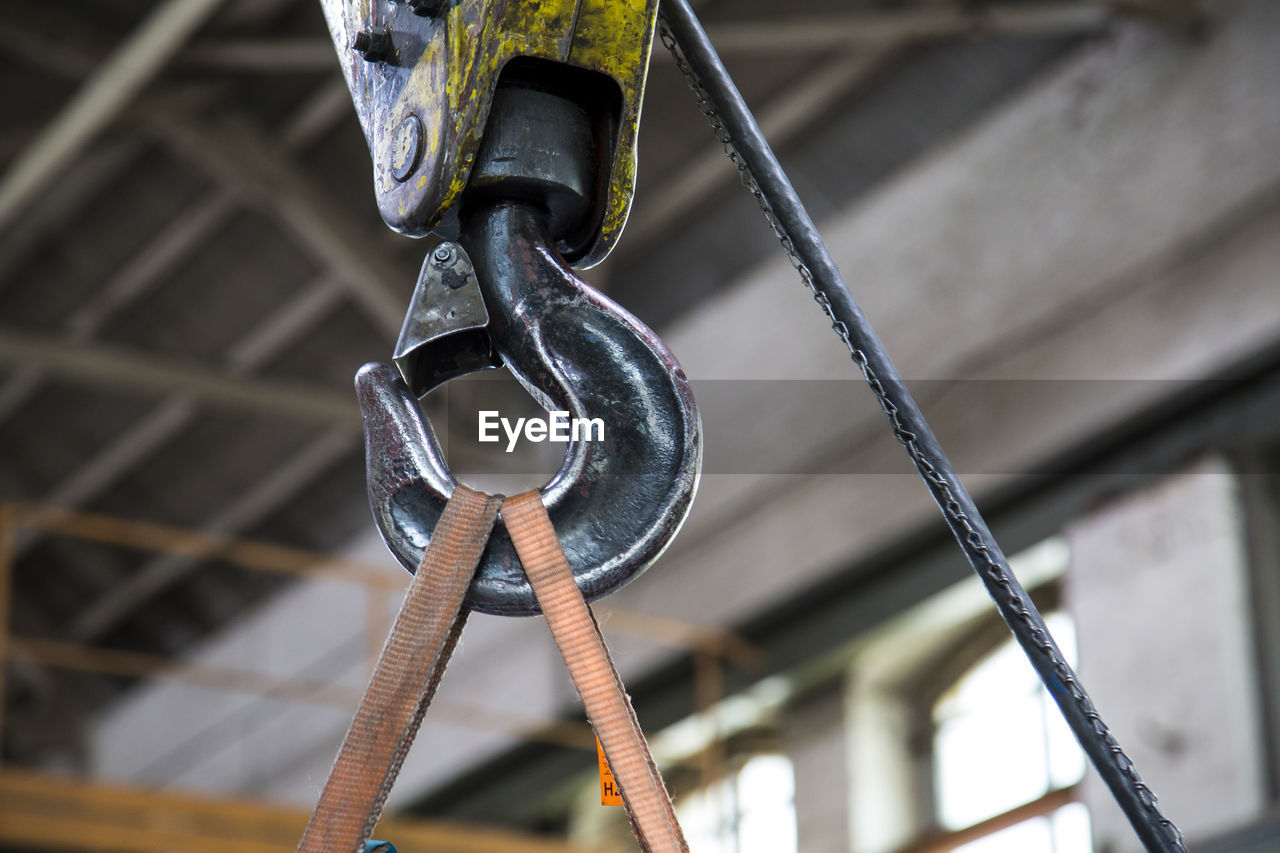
x=609 y=793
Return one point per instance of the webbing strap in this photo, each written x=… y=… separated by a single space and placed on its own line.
x=418 y=649
x=587 y=658
x=404 y=679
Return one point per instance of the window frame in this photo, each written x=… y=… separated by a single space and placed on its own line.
x=927 y=686
x=730 y=769
x=1257 y=470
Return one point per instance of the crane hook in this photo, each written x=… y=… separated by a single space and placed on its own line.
x=504 y=295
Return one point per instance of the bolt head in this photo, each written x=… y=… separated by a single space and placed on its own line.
x=406 y=148
x=445 y=255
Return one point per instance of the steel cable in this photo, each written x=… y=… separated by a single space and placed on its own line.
x=745 y=145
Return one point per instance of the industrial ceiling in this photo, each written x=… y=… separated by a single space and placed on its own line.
x=192 y=268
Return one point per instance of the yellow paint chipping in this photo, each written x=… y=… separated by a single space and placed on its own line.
x=451 y=90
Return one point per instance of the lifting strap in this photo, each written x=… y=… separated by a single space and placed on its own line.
x=404 y=680
x=574 y=628
x=418 y=649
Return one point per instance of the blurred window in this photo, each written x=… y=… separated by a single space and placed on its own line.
x=999 y=742
x=749 y=811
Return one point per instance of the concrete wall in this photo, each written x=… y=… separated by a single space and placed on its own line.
x=1158 y=586
x=815 y=739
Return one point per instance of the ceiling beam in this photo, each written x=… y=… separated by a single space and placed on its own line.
x=139 y=372
x=56 y=654
x=64 y=46
x=157 y=259
x=1182 y=13
x=290 y=55
x=54 y=40
x=139 y=274
x=683 y=634
x=237 y=154
x=112 y=86
x=267 y=496
x=255 y=14
x=84 y=179
x=323 y=109
x=151 y=266
x=780 y=119
x=874 y=36
x=17 y=135
x=315 y=55
x=45 y=811
x=265 y=341
x=842 y=30
x=158 y=426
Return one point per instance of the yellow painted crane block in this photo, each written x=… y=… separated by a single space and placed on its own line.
x=423 y=79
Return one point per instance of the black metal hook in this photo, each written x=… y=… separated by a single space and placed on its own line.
x=616 y=503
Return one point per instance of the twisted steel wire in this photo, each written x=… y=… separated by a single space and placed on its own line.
x=744 y=144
